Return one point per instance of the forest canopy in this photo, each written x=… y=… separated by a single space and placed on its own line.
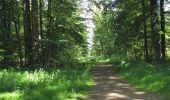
x=40 y=32
x=137 y=29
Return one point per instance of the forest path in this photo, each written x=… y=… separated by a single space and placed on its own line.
x=108 y=86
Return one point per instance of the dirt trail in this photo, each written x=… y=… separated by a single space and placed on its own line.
x=110 y=87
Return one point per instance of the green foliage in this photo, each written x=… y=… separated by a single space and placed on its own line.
x=120 y=29
x=60 y=84
x=104 y=35
x=67 y=32
x=60 y=35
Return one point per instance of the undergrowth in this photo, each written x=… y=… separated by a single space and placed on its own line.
x=40 y=84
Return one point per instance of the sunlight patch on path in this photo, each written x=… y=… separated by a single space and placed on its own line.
x=116 y=96
x=108 y=86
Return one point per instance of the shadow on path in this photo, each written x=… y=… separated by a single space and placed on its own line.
x=110 y=87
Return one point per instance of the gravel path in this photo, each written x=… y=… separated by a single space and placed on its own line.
x=110 y=87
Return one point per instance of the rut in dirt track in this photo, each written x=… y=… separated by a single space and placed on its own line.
x=110 y=87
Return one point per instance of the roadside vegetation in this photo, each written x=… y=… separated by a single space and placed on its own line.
x=43 y=84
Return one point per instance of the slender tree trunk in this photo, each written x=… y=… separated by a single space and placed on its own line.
x=155 y=32
x=19 y=43
x=48 y=55
x=41 y=21
x=42 y=60
x=35 y=31
x=145 y=31
x=28 y=34
x=163 y=39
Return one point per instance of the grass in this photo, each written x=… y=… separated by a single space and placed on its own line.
x=40 y=84
x=150 y=77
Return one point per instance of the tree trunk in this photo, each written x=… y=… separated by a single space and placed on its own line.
x=163 y=39
x=145 y=31
x=42 y=60
x=27 y=34
x=19 y=42
x=155 y=32
x=35 y=31
x=48 y=54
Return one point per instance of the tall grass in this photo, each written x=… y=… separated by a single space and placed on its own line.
x=40 y=84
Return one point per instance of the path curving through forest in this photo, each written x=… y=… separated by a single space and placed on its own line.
x=108 y=86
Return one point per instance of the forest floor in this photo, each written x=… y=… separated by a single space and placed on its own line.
x=108 y=86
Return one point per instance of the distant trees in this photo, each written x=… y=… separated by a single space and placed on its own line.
x=40 y=33
x=137 y=29
x=6 y=31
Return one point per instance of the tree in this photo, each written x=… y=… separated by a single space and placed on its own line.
x=28 y=34
x=16 y=17
x=145 y=31
x=155 y=32
x=35 y=32
x=134 y=35
x=41 y=33
x=41 y=44
x=163 y=39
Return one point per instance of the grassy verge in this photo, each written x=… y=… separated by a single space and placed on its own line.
x=40 y=84
x=150 y=77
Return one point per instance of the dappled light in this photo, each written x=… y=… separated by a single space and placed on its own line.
x=108 y=86
x=43 y=84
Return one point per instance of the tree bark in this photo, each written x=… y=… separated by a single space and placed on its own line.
x=28 y=34
x=163 y=39
x=48 y=54
x=145 y=31
x=42 y=60
x=35 y=31
x=19 y=42
x=155 y=32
